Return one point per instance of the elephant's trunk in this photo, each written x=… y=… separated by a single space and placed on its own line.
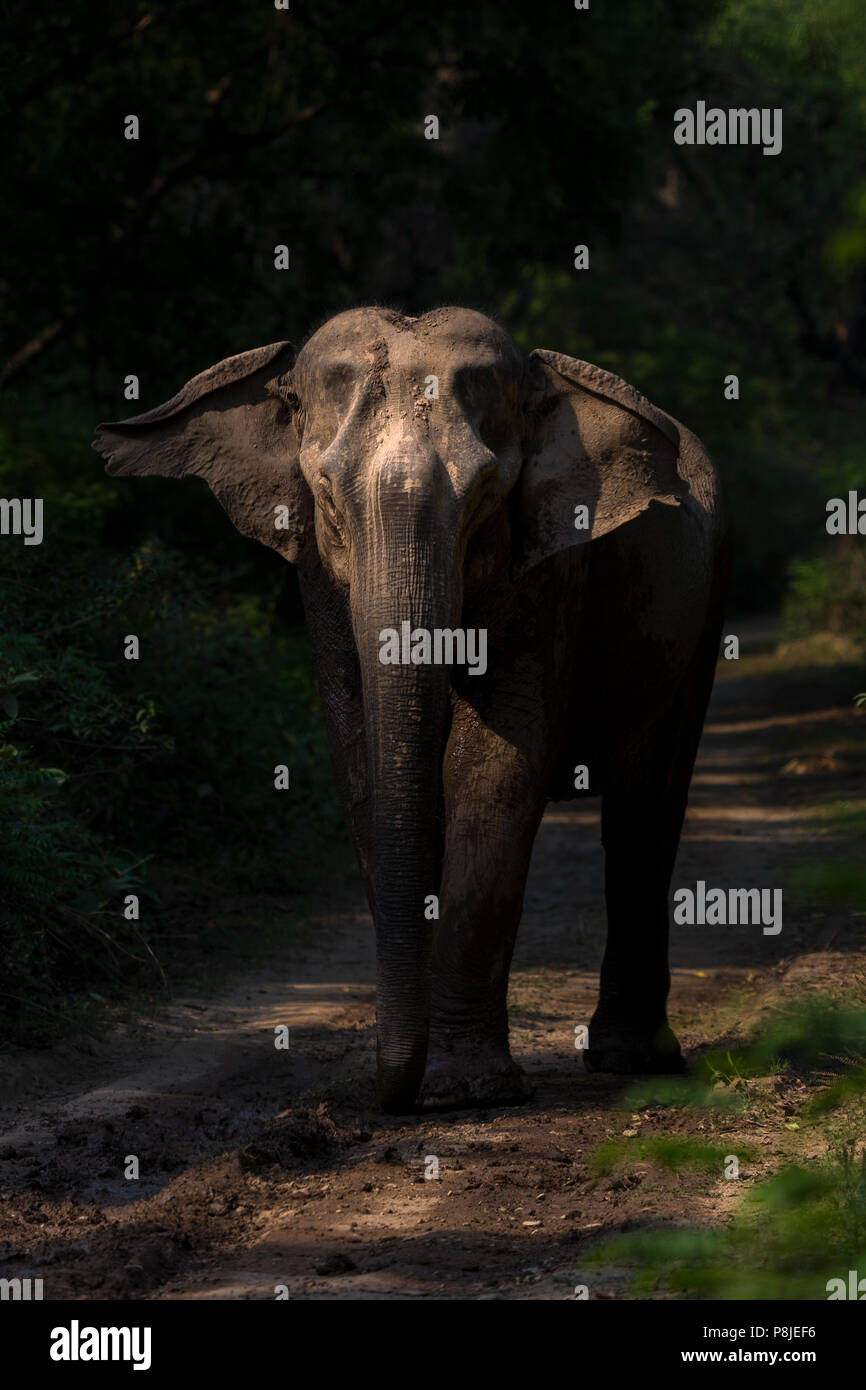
x=406 y=709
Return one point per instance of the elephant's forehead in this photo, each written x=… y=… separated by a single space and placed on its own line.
x=386 y=338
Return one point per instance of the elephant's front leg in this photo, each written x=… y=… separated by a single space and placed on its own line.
x=494 y=799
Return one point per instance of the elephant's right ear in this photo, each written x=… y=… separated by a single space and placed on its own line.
x=233 y=426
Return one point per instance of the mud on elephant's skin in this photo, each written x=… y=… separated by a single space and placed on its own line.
x=424 y=470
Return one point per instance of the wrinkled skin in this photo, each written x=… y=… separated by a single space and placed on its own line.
x=459 y=511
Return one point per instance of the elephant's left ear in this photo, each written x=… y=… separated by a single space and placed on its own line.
x=232 y=425
x=597 y=454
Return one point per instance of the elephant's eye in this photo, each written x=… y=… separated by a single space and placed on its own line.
x=483 y=394
x=329 y=508
x=282 y=387
x=494 y=429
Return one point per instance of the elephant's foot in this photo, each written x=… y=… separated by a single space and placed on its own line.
x=473 y=1074
x=631 y=1051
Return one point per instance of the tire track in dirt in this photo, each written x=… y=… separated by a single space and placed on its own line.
x=263 y=1168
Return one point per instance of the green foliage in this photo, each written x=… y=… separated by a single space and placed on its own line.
x=841 y=883
x=787 y=1239
x=305 y=126
x=672 y=1153
x=835 y=882
x=106 y=763
x=260 y=127
x=801 y=1035
x=792 y=1232
x=698 y=1091
x=827 y=593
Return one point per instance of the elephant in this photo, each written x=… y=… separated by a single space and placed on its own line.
x=426 y=476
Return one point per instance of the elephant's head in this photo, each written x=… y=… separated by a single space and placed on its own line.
x=415 y=460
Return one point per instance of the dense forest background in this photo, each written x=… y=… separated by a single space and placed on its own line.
x=155 y=258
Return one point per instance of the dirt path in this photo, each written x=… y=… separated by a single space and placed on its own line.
x=238 y=1195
